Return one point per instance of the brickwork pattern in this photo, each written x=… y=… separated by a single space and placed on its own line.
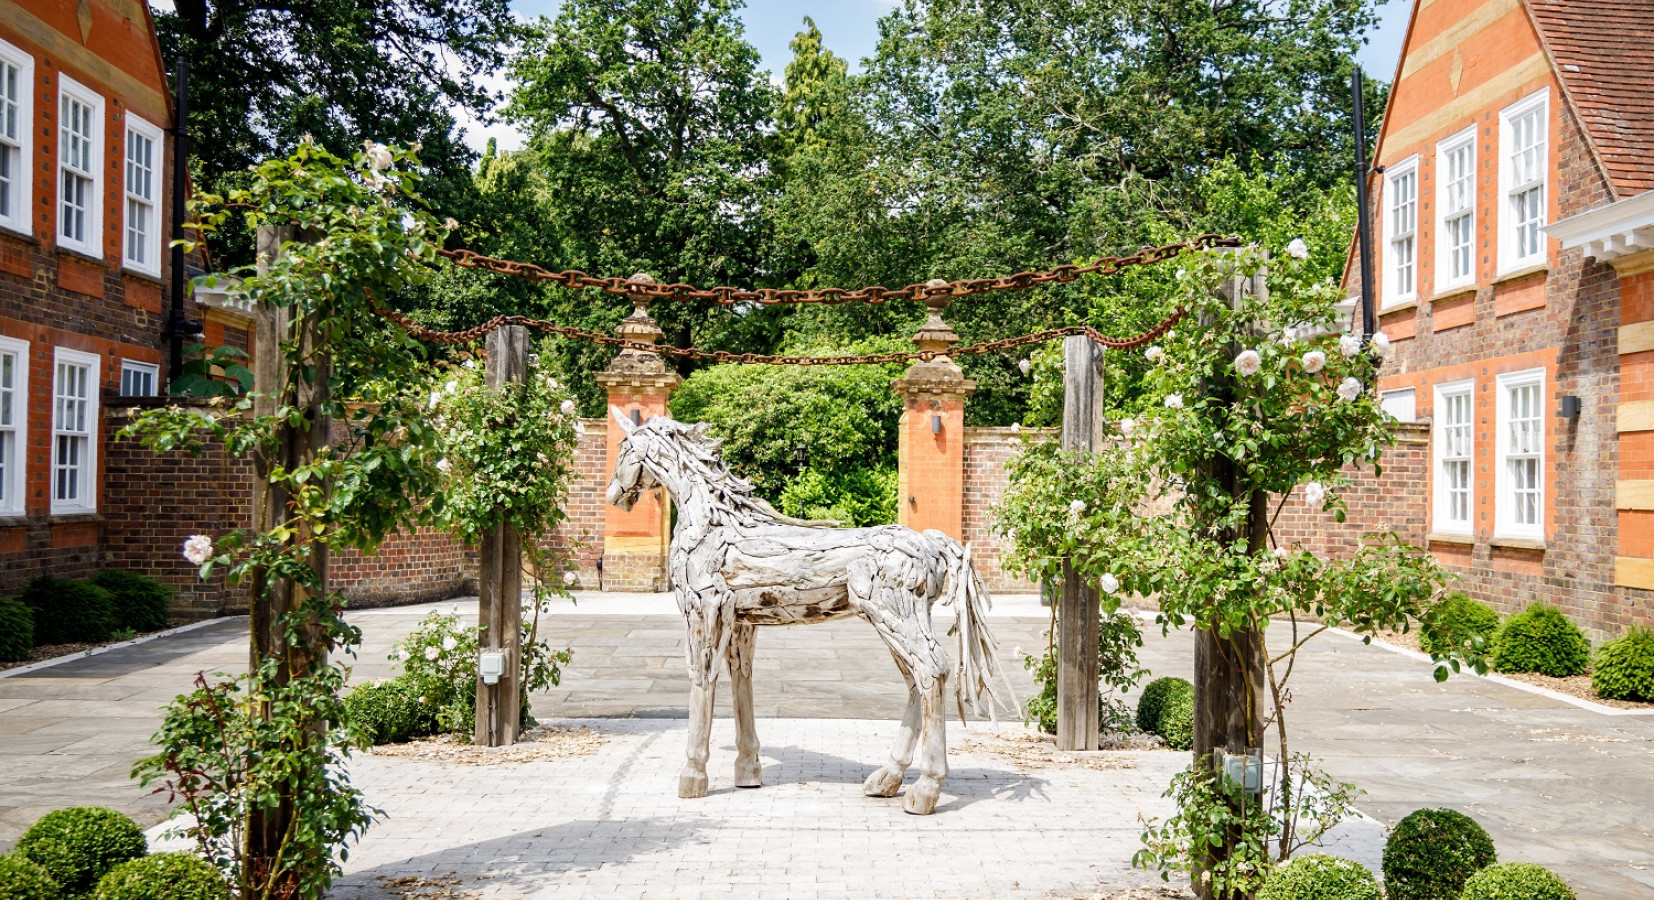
x=987 y=452
x=1398 y=501
x=580 y=537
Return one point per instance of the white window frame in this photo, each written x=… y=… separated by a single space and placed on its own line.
x=1504 y=516
x=1442 y=520
x=1447 y=214
x=14 y=478
x=150 y=244
x=1393 y=293
x=1403 y=399
x=87 y=478
x=92 y=244
x=17 y=217
x=150 y=369
x=1509 y=258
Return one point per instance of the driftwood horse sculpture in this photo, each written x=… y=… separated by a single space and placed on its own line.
x=737 y=564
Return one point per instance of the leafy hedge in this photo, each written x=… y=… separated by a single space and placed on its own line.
x=1432 y=853
x=140 y=602
x=1624 y=668
x=163 y=876
x=1516 y=881
x=1541 y=639
x=69 y=612
x=1454 y=621
x=16 y=630
x=392 y=711
x=22 y=878
x=1167 y=708
x=80 y=844
x=1320 y=877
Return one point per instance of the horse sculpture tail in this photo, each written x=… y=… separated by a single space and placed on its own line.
x=977 y=666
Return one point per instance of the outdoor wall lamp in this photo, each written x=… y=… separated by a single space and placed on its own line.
x=637 y=417
x=935 y=424
x=1568 y=407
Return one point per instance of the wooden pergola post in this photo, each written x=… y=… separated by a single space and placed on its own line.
x=500 y=578
x=1077 y=609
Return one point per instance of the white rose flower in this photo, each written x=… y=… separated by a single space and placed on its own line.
x=451 y=387
x=1297 y=249
x=431 y=653
x=1016 y=427
x=379 y=156
x=1174 y=401
x=1380 y=346
x=1127 y=426
x=436 y=397
x=1287 y=340
x=1349 y=389
x=1314 y=361
x=1075 y=507
x=579 y=428
x=448 y=643
x=1154 y=354
x=470 y=364
x=567 y=407
x=451 y=223
x=1025 y=366
x=1248 y=363
x=551 y=382
x=1314 y=493
x=569 y=578
x=198 y=549
x=1349 y=344
x=442 y=464
x=1108 y=583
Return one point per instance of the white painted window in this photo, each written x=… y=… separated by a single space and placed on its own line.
x=1523 y=163
x=138 y=378
x=1520 y=437
x=14 y=410
x=144 y=149
x=1401 y=223
x=80 y=135
x=1453 y=446
x=74 y=432
x=1456 y=199
x=1399 y=405
x=16 y=119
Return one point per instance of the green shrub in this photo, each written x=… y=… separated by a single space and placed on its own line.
x=22 y=878
x=164 y=876
x=1432 y=852
x=1168 y=705
x=69 y=612
x=1541 y=639
x=79 y=845
x=16 y=630
x=140 y=602
x=1320 y=877
x=391 y=712
x=1454 y=621
x=1516 y=881
x=1624 y=668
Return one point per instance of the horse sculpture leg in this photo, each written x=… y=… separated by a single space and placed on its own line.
x=749 y=772
x=921 y=798
x=887 y=781
x=710 y=621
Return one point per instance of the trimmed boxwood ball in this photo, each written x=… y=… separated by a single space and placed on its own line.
x=1154 y=697
x=390 y=712
x=164 y=876
x=16 y=630
x=1624 y=668
x=1454 y=621
x=22 y=878
x=1432 y=853
x=69 y=612
x=1516 y=881
x=1541 y=639
x=79 y=845
x=1177 y=720
x=1318 y=876
x=140 y=602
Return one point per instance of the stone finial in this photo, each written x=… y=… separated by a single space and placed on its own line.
x=639 y=368
x=941 y=376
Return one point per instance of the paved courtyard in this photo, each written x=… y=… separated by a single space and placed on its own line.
x=1554 y=783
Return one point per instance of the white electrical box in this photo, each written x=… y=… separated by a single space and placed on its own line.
x=491 y=665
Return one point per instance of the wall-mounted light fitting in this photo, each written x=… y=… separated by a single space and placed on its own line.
x=637 y=417
x=935 y=424
x=1568 y=407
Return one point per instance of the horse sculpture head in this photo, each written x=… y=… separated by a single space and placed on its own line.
x=632 y=474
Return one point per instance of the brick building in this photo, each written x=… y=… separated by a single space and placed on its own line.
x=1511 y=223
x=85 y=168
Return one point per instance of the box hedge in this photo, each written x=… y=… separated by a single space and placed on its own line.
x=16 y=630
x=1516 y=881
x=1320 y=877
x=1541 y=639
x=140 y=602
x=1432 y=853
x=1455 y=621
x=80 y=844
x=1624 y=668
x=163 y=876
x=69 y=612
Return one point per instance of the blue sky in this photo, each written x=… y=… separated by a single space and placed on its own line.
x=850 y=29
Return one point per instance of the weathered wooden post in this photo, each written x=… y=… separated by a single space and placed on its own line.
x=500 y=581
x=1229 y=671
x=296 y=446
x=1077 y=612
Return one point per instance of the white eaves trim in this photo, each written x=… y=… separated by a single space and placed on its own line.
x=1609 y=232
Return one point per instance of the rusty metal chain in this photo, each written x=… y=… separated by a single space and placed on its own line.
x=922 y=293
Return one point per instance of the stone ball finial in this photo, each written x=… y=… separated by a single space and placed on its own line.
x=640 y=302
x=938 y=300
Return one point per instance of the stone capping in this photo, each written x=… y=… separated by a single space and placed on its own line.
x=1519 y=274
x=1397 y=308
x=1442 y=537
x=1510 y=543
x=1466 y=290
x=90 y=518
x=81 y=257
x=1413 y=432
x=993 y=434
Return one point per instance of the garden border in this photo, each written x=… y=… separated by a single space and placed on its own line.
x=95 y=651
x=1507 y=682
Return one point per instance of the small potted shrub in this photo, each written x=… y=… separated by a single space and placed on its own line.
x=22 y=878
x=16 y=630
x=79 y=845
x=1624 y=668
x=1541 y=639
x=1516 y=881
x=1432 y=853
x=140 y=602
x=163 y=876
x=1455 y=621
x=1320 y=877
x=69 y=612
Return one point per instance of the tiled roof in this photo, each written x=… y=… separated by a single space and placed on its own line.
x=1604 y=53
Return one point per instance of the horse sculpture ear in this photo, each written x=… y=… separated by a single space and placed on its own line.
x=622 y=419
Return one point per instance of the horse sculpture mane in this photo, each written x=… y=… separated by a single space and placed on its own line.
x=736 y=564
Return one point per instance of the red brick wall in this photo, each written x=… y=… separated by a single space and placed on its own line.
x=1399 y=501
x=581 y=534
x=986 y=451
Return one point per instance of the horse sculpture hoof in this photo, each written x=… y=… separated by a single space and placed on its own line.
x=920 y=799
x=883 y=783
x=692 y=785
x=749 y=774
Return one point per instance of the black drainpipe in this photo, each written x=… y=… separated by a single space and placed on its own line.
x=1363 y=228
x=178 y=325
